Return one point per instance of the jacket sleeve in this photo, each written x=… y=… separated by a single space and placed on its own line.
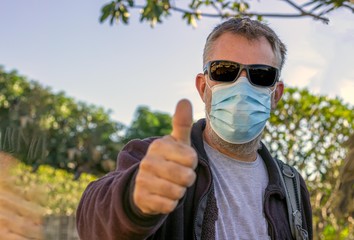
x=306 y=208
x=106 y=210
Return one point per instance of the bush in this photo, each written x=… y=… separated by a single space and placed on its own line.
x=62 y=192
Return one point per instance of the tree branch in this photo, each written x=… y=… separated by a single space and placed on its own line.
x=295 y=6
x=226 y=13
x=216 y=8
x=250 y=14
x=348 y=6
x=305 y=13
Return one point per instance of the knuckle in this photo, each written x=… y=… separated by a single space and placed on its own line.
x=157 y=144
x=146 y=164
x=138 y=197
x=191 y=157
x=189 y=177
x=168 y=206
x=172 y=191
x=179 y=192
x=139 y=180
x=142 y=182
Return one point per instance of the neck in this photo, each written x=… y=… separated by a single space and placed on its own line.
x=243 y=152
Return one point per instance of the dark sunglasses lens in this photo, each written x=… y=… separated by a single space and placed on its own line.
x=224 y=71
x=263 y=76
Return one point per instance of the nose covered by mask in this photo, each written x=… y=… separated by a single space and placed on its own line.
x=239 y=111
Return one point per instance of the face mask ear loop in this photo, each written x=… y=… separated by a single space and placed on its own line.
x=204 y=98
x=206 y=83
x=272 y=96
x=272 y=91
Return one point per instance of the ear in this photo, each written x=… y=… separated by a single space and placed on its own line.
x=200 y=84
x=278 y=93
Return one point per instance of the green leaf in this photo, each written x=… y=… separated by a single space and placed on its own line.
x=106 y=11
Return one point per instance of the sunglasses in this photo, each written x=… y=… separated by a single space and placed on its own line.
x=227 y=71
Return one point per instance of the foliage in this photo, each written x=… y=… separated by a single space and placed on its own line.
x=153 y=11
x=309 y=131
x=41 y=127
x=62 y=192
x=146 y=124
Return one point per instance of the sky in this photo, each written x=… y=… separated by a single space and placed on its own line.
x=62 y=45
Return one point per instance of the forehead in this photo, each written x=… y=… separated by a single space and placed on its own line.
x=240 y=49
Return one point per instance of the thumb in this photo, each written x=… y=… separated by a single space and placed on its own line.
x=182 y=122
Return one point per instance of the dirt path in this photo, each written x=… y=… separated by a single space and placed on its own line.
x=20 y=210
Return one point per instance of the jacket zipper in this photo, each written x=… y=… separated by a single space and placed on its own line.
x=296 y=195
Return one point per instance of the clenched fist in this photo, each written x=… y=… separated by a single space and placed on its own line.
x=168 y=166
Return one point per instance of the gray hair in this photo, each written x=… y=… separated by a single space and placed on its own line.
x=250 y=29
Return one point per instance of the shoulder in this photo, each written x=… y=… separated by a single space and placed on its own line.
x=133 y=152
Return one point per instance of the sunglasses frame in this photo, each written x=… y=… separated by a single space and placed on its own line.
x=246 y=67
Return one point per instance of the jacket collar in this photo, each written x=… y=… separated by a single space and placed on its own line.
x=198 y=144
x=197 y=138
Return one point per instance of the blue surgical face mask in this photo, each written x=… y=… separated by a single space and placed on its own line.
x=239 y=111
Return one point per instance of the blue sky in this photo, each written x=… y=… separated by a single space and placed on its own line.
x=61 y=44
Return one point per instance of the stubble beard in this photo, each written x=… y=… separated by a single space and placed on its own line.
x=244 y=149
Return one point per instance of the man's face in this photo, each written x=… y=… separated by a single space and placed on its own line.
x=239 y=49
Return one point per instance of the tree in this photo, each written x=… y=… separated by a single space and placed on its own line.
x=147 y=123
x=154 y=11
x=41 y=127
x=340 y=206
x=310 y=132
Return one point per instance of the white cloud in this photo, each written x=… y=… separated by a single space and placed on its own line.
x=346 y=90
x=300 y=76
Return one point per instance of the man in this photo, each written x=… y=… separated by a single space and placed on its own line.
x=214 y=180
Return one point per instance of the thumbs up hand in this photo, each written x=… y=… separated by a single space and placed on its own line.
x=168 y=166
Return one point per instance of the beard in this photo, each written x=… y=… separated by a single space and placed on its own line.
x=237 y=149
